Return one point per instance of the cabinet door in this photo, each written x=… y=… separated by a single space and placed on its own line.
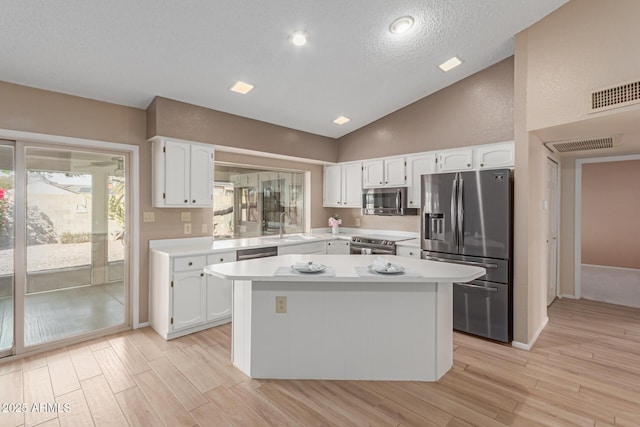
x=416 y=167
x=352 y=185
x=394 y=172
x=338 y=247
x=176 y=173
x=373 y=174
x=332 y=196
x=458 y=160
x=201 y=176
x=219 y=290
x=494 y=156
x=188 y=302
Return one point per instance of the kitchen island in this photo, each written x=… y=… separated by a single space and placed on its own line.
x=345 y=322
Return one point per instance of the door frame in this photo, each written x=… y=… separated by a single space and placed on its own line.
x=558 y=225
x=133 y=154
x=577 y=267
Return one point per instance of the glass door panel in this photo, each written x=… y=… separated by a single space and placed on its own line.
x=6 y=249
x=75 y=252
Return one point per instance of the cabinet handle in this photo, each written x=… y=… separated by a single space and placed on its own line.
x=338 y=203
x=468 y=165
x=411 y=202
x=194 y=200
x=481 y=164
x=380 y=182
x=201 y=274
x=410 y=253
x=190 y=263
x=221 y=259
x=186 y=201
x=386 y=182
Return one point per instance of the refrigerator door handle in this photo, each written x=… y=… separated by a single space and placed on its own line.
x=454 y=261
x=484 y=288
x=454 y=226
x=460 y=225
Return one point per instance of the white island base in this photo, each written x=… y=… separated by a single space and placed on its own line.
x=344 y=327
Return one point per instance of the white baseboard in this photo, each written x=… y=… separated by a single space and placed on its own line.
x=142 y=325
x=528 y=346
x=567 y=296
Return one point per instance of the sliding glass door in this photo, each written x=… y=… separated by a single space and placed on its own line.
x=6 y=248
x=69 y=236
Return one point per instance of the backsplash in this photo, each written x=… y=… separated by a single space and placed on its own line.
x=400 y=223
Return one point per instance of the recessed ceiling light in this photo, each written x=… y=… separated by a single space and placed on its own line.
x=401 y=25
x=451 y=63
x=298 y=38
x=341 y=120
x=241 y=87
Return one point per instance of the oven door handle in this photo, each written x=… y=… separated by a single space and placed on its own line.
x=454 y=261
x=483 y=288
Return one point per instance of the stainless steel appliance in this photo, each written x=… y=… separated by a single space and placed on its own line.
x=386 y=201
x=467 y=218
x=253 y=253
x=375 y=245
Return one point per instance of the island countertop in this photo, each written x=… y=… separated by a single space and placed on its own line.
x=263 y=269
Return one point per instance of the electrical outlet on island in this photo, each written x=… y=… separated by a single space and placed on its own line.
x=357 y=221
x=187 y=229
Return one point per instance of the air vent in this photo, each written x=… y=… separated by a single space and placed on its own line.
x=614 y=97
x=581 y=144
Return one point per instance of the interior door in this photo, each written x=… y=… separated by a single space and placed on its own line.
x=552 y=230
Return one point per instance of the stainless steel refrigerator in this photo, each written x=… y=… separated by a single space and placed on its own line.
x=467 y=218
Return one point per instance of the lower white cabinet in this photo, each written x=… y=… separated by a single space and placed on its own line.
x=408 y=251
x=338 y=247
x=183 y=298
x=219 y=290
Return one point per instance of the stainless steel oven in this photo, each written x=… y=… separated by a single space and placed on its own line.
x=373 y=245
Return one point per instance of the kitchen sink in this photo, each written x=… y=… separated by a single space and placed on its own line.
x=289 y=238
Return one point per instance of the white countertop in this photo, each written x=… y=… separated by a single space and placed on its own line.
x=263 y=269
x=199 y=245
x=412 y=243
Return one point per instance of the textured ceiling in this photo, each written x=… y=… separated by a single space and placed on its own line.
x=128 y=51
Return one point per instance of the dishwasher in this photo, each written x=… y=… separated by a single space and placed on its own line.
x=254 y=253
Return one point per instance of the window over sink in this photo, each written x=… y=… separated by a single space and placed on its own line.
x=249 y=202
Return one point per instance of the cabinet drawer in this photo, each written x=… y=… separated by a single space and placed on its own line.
x=189 y=263
x=408 y=251
x=221 y=257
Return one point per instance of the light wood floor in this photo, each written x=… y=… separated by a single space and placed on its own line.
x=584 y=370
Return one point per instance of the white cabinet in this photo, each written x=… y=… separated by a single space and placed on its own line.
x=303 y=248
x=182 y=174
x=338 y=247
x=408 y=251
x=384 y=173
x=183 y=299
x=188 y=291
x=494 y=156
x=455 y=160
x=188 y=300
x=416 y=167
x=343 y=185
x=219 y=290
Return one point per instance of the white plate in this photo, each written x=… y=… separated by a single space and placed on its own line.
x=319 y=269
x=397 y=269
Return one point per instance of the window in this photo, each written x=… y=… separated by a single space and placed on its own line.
x=250 y=202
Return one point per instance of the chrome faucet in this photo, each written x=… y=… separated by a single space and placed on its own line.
x=282 y=215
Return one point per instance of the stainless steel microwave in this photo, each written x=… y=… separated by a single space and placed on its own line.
x=386 y=201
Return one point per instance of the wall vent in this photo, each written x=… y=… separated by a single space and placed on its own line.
x=581 y=144
x=614 y=97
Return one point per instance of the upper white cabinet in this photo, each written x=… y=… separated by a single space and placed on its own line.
x=494 y=156
x=343 y=185
x=384 y=173
x=182 y=174
x=416 y=167
x=455 y=160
